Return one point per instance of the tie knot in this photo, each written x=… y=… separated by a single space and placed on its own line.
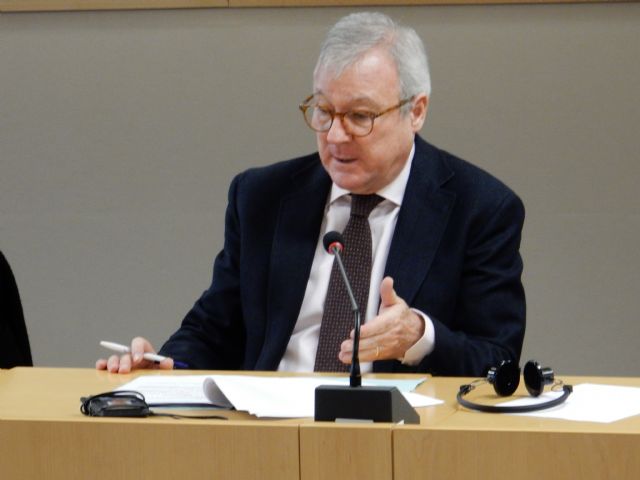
x=362 y=205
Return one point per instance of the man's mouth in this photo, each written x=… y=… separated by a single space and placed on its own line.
x=344 y=160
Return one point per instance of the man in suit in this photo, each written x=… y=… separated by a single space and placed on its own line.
x=445 y=290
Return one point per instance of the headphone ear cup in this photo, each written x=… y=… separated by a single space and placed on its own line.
x=505 y=378
x=536 y=377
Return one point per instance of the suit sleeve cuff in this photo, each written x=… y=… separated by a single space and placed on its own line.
x=422 y=347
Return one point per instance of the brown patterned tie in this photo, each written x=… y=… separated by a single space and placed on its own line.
x=338 y=319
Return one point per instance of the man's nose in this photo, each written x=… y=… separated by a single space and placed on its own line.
x=337 y=133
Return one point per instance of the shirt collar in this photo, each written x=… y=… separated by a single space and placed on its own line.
x=393 y=192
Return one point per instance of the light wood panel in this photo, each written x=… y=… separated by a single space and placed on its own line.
x=127 y=448
x=368 y=3
x=68 y=5
x=482 y=454
x=44 y=435
x=61 y=5
x=472 y=445
x=330 y=451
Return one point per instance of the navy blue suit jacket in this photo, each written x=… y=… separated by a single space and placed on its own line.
x=454 y=255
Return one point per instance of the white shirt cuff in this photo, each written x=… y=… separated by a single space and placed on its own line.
x=422 y=347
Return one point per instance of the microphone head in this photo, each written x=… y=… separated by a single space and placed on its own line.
x=333 y=240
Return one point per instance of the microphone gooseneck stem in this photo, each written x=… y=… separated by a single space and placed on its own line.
x=355 y=379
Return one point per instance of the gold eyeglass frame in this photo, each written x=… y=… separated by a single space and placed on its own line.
x=304 y=106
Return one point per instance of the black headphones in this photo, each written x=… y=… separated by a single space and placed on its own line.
x=505 y=379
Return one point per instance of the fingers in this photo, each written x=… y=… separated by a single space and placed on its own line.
x=116 y=364
x=388 y=296
x=140 y=346
x=367 y=353
x=127 y=362
x=166 y=364
x=390 y=334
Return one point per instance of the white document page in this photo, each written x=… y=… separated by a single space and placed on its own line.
x=293 y=397
x=588 y=403
x=169 y=389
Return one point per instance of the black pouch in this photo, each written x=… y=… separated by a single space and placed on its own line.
x=124 y=403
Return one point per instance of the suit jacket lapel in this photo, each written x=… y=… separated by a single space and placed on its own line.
x=296 y=235
x=424 y=214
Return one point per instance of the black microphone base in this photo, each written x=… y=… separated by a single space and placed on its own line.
x=378 y=404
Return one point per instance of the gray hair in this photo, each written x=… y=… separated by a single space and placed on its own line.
x=354 y=35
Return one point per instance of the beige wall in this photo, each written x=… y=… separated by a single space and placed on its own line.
x=120 y=131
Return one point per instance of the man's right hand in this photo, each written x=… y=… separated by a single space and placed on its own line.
x=127 y=362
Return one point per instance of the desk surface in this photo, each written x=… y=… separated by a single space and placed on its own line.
x=44 y=435
x=54 y=394
x=39 y=407
x=471 y=445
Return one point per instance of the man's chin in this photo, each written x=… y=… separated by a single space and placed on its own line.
x=354 y=187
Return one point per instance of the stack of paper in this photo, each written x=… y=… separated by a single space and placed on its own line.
x=263 y=396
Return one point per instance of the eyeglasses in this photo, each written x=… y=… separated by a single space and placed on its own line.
x=358 y=123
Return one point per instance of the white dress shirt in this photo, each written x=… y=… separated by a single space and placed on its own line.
x=301 y=351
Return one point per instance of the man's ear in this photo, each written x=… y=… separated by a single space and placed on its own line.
x=418 y=111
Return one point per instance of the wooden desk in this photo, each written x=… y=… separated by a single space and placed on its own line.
x=348 y=451
x=44 y=435
x=472 y=445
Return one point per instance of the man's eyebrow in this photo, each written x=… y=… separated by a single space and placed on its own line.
x=362 y=100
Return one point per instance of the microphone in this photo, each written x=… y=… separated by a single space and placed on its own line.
x=334 y=244
x=377 y=404
x=333 y=241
